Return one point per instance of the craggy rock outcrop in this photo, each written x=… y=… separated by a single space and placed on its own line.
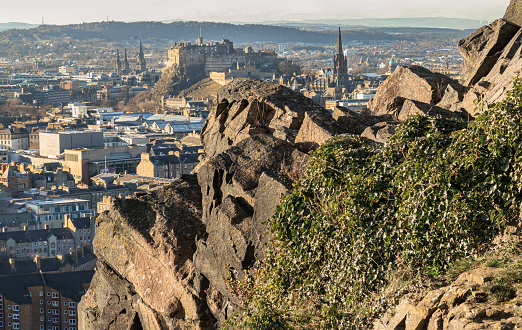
x=144 y=246
x=466 y=304
x=416 y=84
x=164 y=257
x=482 y=49
x=248 y=107
x=514 y=12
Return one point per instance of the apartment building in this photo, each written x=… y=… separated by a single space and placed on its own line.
x=42 y=301
x=52 y=212
x=19 y=245
x=14 y=139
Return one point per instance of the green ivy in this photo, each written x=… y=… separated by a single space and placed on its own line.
x=437 y=192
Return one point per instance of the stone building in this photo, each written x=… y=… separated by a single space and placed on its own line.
x=32 y=243
x=14 y=139
x=46 y=180
x=82 y=230
x=217 y=56
x=9 y=180
x=167 y=166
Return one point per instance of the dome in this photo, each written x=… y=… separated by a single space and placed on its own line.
x=393 y=62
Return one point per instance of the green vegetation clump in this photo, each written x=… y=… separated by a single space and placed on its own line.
x=439 y=191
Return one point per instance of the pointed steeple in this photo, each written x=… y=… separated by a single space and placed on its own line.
x=141 y=59
x=118 y=62
x=340 y=71
x=339 y=44
x=125 y=61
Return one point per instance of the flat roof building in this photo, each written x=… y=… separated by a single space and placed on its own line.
x=53 y=144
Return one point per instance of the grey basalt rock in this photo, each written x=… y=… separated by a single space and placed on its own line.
x=149 y=242
x=410 y=82
x=514 y=12
x=482 y=49
x=249 y=107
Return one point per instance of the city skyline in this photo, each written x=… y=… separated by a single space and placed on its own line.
x=58 y=12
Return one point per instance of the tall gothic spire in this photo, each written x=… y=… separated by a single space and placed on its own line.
x=339 y=44
x=118 y=62
x=340 y=69
x=125 y=61
x=141 y=59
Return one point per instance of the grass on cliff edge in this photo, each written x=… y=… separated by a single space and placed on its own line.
x=439 y=191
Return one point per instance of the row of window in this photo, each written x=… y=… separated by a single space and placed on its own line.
x=14 y=325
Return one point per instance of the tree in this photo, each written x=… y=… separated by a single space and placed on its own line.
x=289 y=69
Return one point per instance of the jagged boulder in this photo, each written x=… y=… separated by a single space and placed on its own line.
x=502 y=75
x=114 y=302
x=248 y=107
x=462 y=305
x=240 y=189
x=514 y=12
x=411 y=108
x=482 y=49
x=146 y=245
x=380 y=132
x=410 y=83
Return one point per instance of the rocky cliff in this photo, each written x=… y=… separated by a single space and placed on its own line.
x=168 y=259
x=164 y=257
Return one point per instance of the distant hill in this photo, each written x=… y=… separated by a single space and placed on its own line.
x=16 y=25
x=188 y=31
x=82 y=40
x=364 y=23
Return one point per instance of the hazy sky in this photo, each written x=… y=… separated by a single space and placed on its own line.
x=78 y=11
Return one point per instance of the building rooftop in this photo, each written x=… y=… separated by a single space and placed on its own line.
x=69 y=284
x=55 y=201
x=29 y=236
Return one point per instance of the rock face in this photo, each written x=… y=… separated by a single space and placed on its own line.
x=482 y=49
x=145 y=274
x=514 y=12
x=419 y=89
x=466 y=304
x=164 y=257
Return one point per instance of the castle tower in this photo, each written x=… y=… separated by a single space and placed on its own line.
x=141 y=59
x=126 y=62
x=340 y=65
x=117 y=66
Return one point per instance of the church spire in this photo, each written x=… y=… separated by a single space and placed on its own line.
x=118 y=62
x=141 y=59
x=340 y=69
x=125 y=61
x=339 y=44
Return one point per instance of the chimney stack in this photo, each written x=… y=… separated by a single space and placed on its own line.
x=38 y=262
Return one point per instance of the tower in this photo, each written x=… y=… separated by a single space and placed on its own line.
x=118 y=62
x=141 y=59
x=126 y=62
x=340 y=65
x=199 y=42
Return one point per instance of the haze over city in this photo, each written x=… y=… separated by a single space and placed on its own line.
x=62 y=12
